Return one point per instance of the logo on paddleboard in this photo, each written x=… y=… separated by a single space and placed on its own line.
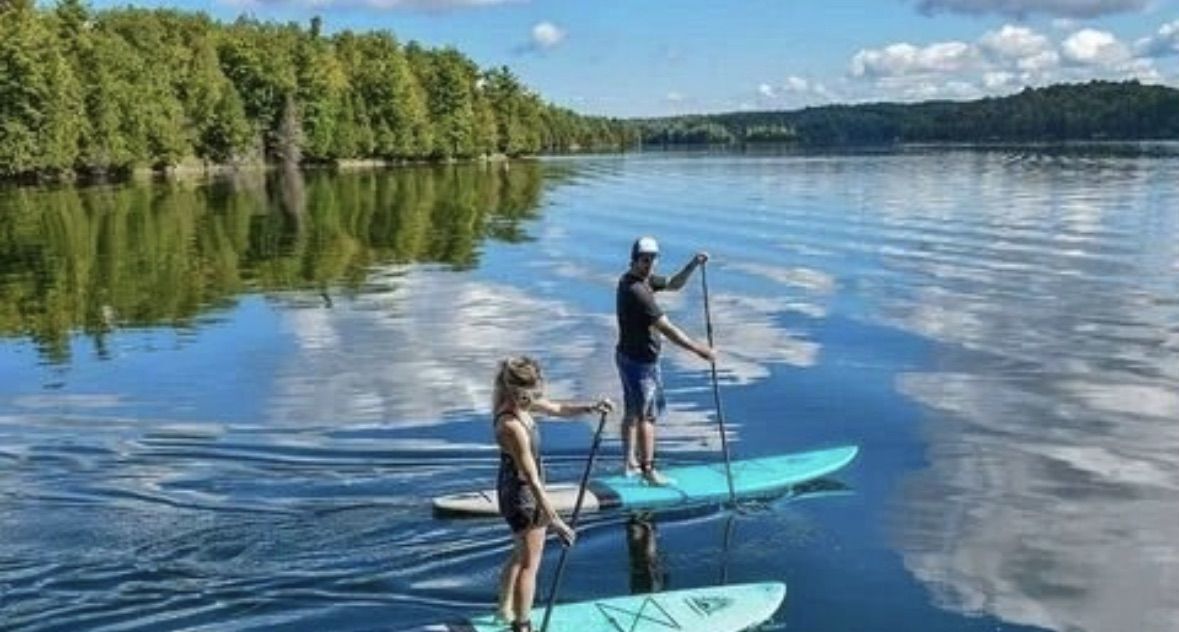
x=707 y=606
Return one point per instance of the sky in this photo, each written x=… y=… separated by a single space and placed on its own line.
x=663 y=57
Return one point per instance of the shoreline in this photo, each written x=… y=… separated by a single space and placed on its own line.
x=195 y=169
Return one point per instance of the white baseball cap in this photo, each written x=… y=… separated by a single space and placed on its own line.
x=644 y=246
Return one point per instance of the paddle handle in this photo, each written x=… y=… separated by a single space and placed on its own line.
x=720 y=414
x=589 y=466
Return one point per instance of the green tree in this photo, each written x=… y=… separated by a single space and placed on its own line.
x=103 y=91
x=40 y=101
x=506 y=95
x=321 y=93
x=449 y=79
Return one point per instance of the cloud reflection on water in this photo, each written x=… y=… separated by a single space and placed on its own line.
x=422 y=350
x=1051 y=490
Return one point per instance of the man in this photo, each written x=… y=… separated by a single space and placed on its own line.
x=640 y=323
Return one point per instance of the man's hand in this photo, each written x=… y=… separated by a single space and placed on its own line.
x=700 y=258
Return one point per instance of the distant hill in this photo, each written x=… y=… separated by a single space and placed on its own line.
x=1098 y=110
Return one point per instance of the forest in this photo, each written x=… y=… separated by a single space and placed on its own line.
x=86 y=92
x=104 y=92
x=1097 y=110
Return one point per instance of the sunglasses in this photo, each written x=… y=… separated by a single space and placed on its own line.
x=646 y=258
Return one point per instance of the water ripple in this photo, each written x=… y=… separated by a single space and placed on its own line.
x=996 y=329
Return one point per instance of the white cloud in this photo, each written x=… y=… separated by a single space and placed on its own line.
x=1019 y=47
x=797 y=84
x=1005 y=60
x=543 y=37
x=808 y=87
x=904 y=59
x=1164 y=42
x=1014 y=42
x=1142 y=70
x=1023 y=8
x=546 y=35
x=795 y=91
x=674 y=97
x=994 y=80
x=1040 y=62
x=1093 y=47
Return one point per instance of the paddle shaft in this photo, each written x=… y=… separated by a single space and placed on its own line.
x=720 y=414
x=589 y=466
x=724 y=574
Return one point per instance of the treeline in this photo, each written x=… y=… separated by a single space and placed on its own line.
x=1098 y=110
x=94 y=92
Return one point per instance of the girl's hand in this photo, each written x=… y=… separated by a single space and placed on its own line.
x=603 y=405
x=564 y=532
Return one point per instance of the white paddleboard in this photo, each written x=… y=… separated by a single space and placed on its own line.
x=693 y=485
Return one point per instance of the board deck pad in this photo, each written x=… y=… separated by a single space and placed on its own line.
x=693 y=485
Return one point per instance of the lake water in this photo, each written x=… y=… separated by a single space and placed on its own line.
x=226 y=405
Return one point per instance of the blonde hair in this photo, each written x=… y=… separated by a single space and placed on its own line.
x=519 y=380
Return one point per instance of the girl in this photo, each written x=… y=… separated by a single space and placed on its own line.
x=519 y=390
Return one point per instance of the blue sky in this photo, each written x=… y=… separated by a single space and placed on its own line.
x=659 y=57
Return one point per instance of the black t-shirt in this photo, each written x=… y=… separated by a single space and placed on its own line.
x=637 y=313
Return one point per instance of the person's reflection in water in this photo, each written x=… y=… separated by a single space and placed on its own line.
x=646 y=569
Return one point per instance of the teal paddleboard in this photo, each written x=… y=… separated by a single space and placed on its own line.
x=715 y=609
x=692 y=485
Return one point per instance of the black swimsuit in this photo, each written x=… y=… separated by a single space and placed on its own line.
x=517 y=503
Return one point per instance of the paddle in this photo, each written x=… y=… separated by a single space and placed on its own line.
x=728 y=539
x=589 y=466
x=720 y=415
